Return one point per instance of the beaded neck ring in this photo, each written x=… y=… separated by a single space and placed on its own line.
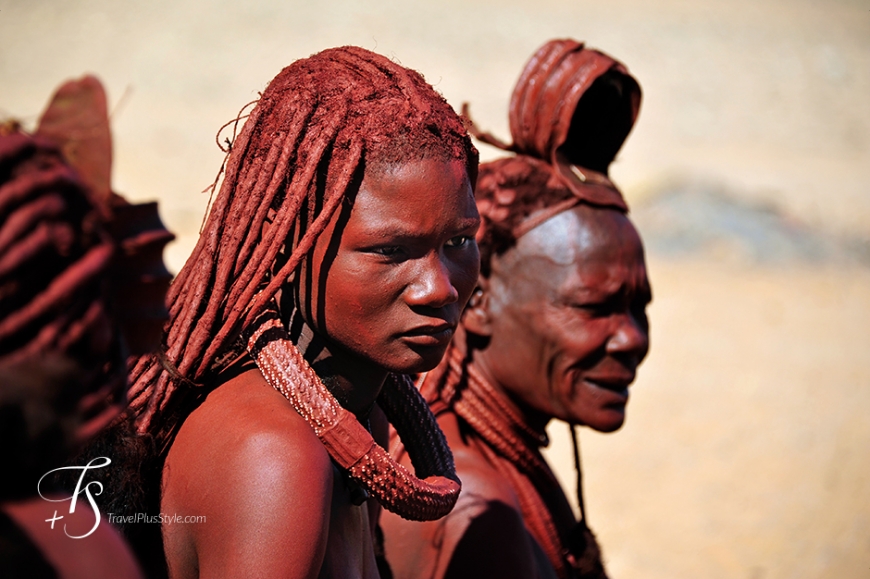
x=429 y=495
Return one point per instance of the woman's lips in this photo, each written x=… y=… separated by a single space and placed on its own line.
x=615 y=390
x=435 y=335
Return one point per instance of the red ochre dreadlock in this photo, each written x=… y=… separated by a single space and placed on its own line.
x=54 y=252
x=318 y=125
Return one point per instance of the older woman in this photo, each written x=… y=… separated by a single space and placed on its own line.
x=556 y=328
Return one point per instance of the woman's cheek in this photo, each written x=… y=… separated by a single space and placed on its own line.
x=464 y=277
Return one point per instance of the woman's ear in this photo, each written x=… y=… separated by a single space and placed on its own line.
x=476 y=318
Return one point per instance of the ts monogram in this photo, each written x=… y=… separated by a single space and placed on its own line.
x=81 y=487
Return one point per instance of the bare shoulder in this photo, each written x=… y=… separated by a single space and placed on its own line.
x=486 y=518
x=254 y=469
x=481 y=481
x=246 y=433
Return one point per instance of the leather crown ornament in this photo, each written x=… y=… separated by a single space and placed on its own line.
x=77 y=122
x=572 y=107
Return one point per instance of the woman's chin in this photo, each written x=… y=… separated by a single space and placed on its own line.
x=418 y=360
x=607 y=420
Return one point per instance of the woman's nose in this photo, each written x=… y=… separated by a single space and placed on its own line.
x=432 y=286
x=630 y=338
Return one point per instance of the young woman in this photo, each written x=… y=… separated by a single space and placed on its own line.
x=337 y=258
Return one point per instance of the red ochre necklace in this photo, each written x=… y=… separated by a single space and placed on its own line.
x=512 y=447
x=428 y=494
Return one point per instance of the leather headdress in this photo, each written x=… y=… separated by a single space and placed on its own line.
x=573 y=108
x=74 y=254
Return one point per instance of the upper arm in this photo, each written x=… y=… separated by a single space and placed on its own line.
x=273 y=513
x=494 y=543
x=489 y=536
x=264 y=483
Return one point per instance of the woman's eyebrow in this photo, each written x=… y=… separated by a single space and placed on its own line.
x=597 y=291
x=400 y=231
x=467 y=223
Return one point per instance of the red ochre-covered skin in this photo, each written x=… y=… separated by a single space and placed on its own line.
x=566 y=319
x=402 y=270
x=347 y=204
x=563 y=316
x=555 y=329
x=251 y=464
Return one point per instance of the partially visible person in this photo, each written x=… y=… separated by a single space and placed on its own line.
x=82 y=285
x=555 y=329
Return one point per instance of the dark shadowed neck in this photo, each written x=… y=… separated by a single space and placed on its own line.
x=353 y=381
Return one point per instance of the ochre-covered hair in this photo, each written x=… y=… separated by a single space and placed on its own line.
x=60 y=356
x=54 y=252
x=72 y=252
x=570 y=113
x=82 y=284
x=509 y=192
x=318 y=126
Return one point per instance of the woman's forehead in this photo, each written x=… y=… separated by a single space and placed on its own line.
x=576 y=232
x=580 y=235
x=430 y=186
x=562 y=239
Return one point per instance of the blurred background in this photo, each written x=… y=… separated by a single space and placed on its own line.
x=747 y=449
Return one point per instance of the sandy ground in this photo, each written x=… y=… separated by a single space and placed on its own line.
x=746 y=450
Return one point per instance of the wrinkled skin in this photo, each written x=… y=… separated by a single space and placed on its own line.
x=389 y=278
x=565 y=315
x=562 y=327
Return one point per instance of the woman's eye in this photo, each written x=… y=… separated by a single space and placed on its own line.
x=593 y=309
x=458 y=241
x=387 y=251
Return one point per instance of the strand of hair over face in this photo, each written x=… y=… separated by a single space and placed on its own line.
x=319 y=123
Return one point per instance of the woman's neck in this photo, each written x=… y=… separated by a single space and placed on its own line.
x=532 y=418
x=353 y=381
